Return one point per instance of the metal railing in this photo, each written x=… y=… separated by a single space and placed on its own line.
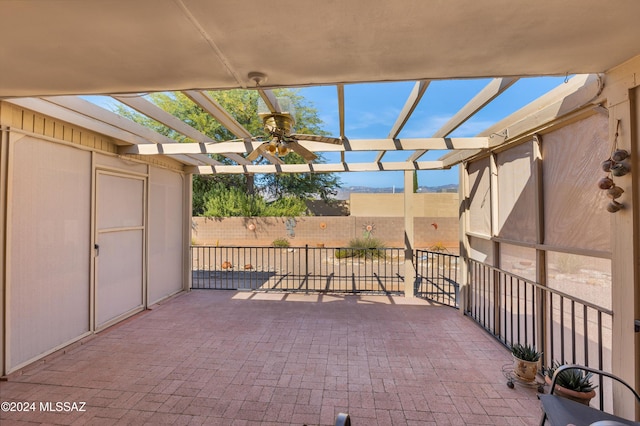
x=517 y=310
x=318 y=269
x=437 y=277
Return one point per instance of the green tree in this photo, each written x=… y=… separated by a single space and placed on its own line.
x=242 y=104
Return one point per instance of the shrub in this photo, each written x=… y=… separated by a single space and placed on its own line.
x=280 y=242
x=343 y=253
x=438 y=248
x=234 y=202
x=286 y=206
x=367 y=248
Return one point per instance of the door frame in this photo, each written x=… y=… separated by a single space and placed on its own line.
x=144 y=178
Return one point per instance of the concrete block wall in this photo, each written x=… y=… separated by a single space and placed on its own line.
x=332 y=231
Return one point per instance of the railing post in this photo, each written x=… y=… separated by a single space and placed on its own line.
x=306 y=267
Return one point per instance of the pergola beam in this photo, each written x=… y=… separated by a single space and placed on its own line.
x=564 y=100
x=410 y=105
x=315 y=168
x=270 y=100
x=76 y=110
x=151 y=110
x=216 y=110
x=353 y=145
x=491 y=91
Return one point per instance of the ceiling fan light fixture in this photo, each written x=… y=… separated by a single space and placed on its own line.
x=282 y=150
x=272 y=147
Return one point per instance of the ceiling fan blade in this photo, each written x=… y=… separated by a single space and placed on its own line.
x=301 y=151
x=257 y=152
x=316 y=138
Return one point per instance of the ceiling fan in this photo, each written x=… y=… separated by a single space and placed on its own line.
x=279 y=123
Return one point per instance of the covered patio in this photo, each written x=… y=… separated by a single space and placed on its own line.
x=97 y=301
x=225 y=357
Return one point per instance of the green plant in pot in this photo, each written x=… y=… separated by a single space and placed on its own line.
x=525 y=361
x=573 y=384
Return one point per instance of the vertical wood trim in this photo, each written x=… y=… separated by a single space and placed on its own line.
x=187 y=191
x=635 y=152
x=494 y=208
x=410 y=270
x=4 y=225
x=11 y=141
x=463 y=221
x=145 y=239
x=541 y=258
x=92 y=251
x=625 y=252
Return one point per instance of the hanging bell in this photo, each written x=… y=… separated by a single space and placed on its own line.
x=619 y=155
x=605 y=183
x=615 y=192
x=607 y=164
x=619 y=169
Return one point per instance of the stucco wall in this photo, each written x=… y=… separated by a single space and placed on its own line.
x=440 y=204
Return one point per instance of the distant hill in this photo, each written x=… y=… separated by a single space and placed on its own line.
x=343 y=193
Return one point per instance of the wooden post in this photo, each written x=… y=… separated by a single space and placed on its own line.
x=622 y=92
x=463 y=220
x=409 y=267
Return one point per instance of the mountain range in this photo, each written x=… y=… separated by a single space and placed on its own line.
x=343 y=193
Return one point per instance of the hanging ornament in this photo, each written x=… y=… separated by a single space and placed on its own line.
x=605 y=183
x=619 y=155
x=614 y=206
x=619 y=169
x=615 y=192
x=615 y=166
x=607 y=164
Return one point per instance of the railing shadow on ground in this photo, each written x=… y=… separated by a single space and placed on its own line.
x=511 y=308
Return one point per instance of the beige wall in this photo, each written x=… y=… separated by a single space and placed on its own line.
x=443 y=204
x=48 y=180
x=332 y=231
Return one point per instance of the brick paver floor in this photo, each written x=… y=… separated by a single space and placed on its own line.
x=242 y=358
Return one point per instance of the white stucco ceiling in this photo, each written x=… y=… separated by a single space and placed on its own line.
x=117 y=46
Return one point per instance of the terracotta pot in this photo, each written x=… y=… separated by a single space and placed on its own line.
x=581 y=397
x=525 y=370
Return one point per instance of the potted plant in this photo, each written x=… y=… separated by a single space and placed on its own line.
x=526 y=359
x=573 y=384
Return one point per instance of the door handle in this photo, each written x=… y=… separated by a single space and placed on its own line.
x=97 y=248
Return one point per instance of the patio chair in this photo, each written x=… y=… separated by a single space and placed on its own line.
x=343 y=420
x=562 y=411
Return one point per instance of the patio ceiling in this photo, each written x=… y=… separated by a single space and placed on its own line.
x=119 y=46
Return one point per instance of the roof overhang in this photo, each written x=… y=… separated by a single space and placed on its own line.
x=123 y=46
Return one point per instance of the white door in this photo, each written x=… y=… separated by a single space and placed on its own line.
x=119 y=247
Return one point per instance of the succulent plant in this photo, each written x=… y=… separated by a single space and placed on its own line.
x=525 y=352
x=573 y=379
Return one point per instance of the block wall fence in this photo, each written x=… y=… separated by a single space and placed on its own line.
x=332 y=231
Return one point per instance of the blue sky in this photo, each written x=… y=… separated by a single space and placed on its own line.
x=372 y=109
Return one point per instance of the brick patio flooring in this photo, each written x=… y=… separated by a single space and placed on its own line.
x=223 y=357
